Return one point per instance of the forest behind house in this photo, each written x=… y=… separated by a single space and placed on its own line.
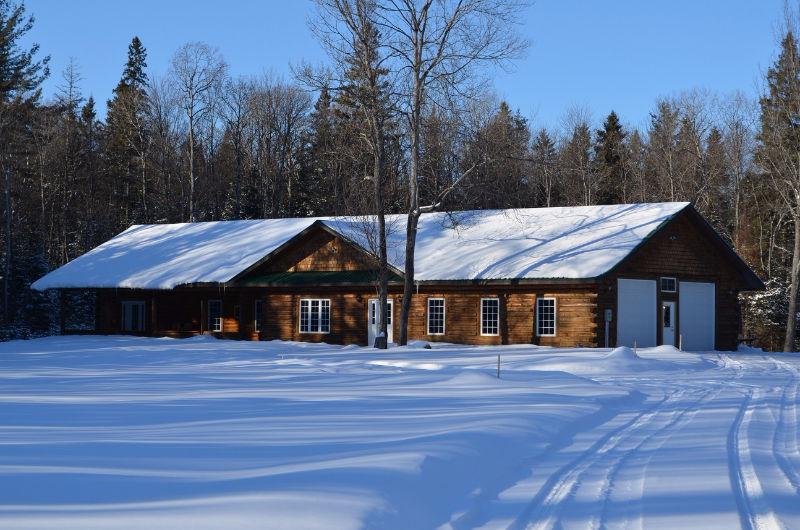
x=194 y=143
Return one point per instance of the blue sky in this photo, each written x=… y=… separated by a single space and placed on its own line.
x=599 y=55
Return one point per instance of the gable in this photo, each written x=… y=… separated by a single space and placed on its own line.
x=316 y=250
x=688 y=247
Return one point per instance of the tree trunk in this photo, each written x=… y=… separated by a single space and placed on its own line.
x=413 y=212
x=791 y=312
x=191 y=167
x=9 y=247
x=383 y=269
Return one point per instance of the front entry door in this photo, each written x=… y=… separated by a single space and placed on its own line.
x=373 y=320
x=668 y=322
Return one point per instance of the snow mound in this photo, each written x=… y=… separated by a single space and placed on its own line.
x=623 y=353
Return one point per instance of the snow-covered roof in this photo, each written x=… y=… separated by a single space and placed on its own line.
x=164 y=256
x=531 y=243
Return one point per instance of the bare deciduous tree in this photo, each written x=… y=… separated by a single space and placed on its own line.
x=197 y=70
x=349 y=32
x=437 y=48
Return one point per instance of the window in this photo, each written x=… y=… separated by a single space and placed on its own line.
x=435 y=316
x=545 y=317
x=258 y=315
x=133 y=315
x=315 y=316
x=490 y=316
x=215 y=315
x=669 y=285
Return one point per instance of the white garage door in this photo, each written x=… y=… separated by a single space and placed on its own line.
x=696 y=315
x=636 y=313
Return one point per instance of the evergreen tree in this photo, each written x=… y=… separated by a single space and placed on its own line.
x=134 y=74
x=321 y=159
x=545 y=169
x=609 y=156
x=21 y=77
x=663 y=152
x=575 y=158
x=499 y=151
x=711 y=198
x=127 y=140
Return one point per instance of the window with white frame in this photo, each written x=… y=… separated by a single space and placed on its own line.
x=315 y=315
x=669 y=285
x=490 y=316
x=133 y=315
x=435 y=316
x=215 y=315
x=258 y=315
x=545 y=317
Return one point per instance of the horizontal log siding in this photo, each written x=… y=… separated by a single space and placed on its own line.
x=183 y=312
x=575 y=317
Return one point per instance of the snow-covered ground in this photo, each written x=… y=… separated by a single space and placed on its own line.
x=120 y=432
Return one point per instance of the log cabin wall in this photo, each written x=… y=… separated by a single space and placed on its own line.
x=318 y=251
x=183 y=312
x=682 y=251
x=576 y=309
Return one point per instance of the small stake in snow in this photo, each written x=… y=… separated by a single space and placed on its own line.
x=680 y=342
x=498 y=366
x=634 y=346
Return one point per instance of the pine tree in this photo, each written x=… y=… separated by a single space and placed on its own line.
x=545 y=169
x=320 y=166
x=575 y=158
x=21 y=77
x=609 y=156
x=134 y=74
x=127 y=140
x=499 y=150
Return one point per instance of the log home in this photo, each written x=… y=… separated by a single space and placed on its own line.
x=644 y=274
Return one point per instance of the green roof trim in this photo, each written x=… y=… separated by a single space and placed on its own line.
x=315 y=278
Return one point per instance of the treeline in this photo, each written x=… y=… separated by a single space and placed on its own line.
x=197 y=144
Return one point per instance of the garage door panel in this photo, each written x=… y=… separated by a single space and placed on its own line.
x=636 y=313
x=696 y=314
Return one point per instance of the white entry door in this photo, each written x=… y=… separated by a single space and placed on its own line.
x=374 y=323
x=668 y=323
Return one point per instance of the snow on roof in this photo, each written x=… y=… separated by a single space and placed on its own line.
x=526 y=243
x=166 y=255
x=532 y=243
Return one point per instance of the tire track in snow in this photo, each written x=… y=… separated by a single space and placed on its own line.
x=754 y=513
x=784 y=443
x=656 y=440
x=541 y=512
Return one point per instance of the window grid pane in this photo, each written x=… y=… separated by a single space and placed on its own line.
x=669 y=285
x=215 y=315
x=436 y=316
x=305 y=326
x=259 y=315
x=490 y=316
x=315 y=316
x=325 y=316
x=545 y=316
